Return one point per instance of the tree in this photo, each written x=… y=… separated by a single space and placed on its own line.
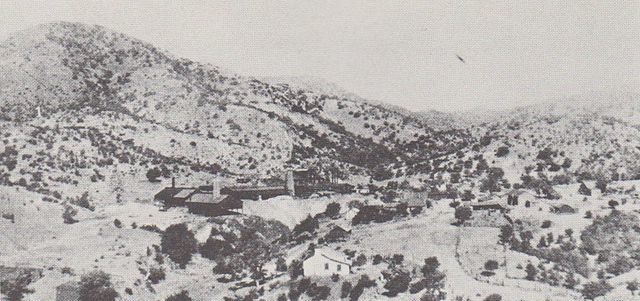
x=584 y=190
x=181 y=296
x=179 y=243
x=96 y=286
x=309 y=224
x=16 y=288
x=295 y=269
x=213 y=248
x=506 y=234
x=462 y=214
x=594 y=289
x=397 y=282
x=333 y=210
x=433 y=280
x=613 y=204
x=153 y=174
x=531 y=272
x=633 y=286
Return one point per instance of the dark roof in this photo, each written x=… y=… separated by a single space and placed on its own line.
x=487 y=205
x=167 y=192
x=208 y=198
x=254 y=188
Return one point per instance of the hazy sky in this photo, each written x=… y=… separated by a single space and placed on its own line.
x=401 y=52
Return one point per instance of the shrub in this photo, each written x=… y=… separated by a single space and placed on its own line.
x=308 y=225
x=345 y=289
x=281 y=264
x=398 y=282
x=96 y=286
x=584 y=190
x=546 y=224
x=363 y=283
x=491 y=265
x=16 y=288
x=360 y=260
x=377 y=259
x=179 y=243
x=463 y=214
x=502 y=151
x=68 y=216
x=295 y=269
x=333 y=210
x=493 y=297
x=214 y=248
x=153 y=174
x=181 y=296
x=593 y=290
x=156 y=274
x=397 y=259
x=531 y=272
x=601 y=184
x=83 y=201
x=318 y=292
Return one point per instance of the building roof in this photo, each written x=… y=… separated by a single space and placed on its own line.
x=332 y=255
x=184 y=193
x=487 y=205
x=208 y=198
x=255 y=188
x=167 y=192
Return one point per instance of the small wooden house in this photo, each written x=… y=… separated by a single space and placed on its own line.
x=326 y=262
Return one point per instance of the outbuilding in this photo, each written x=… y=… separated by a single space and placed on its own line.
x=326 y=262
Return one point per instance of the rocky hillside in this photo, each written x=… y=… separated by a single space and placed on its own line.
x=88 y=76
x=569 y=141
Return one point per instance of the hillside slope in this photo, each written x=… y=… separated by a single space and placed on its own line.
x=72 y=71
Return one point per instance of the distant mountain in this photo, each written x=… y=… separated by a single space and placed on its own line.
x=81 y=75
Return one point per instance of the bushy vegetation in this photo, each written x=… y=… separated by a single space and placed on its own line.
x=96 y=286
x=181 y=296
x=179 y=243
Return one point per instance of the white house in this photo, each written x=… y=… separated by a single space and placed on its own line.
x=326 y=262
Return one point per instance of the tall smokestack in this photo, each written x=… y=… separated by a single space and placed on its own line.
x=291 y=187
